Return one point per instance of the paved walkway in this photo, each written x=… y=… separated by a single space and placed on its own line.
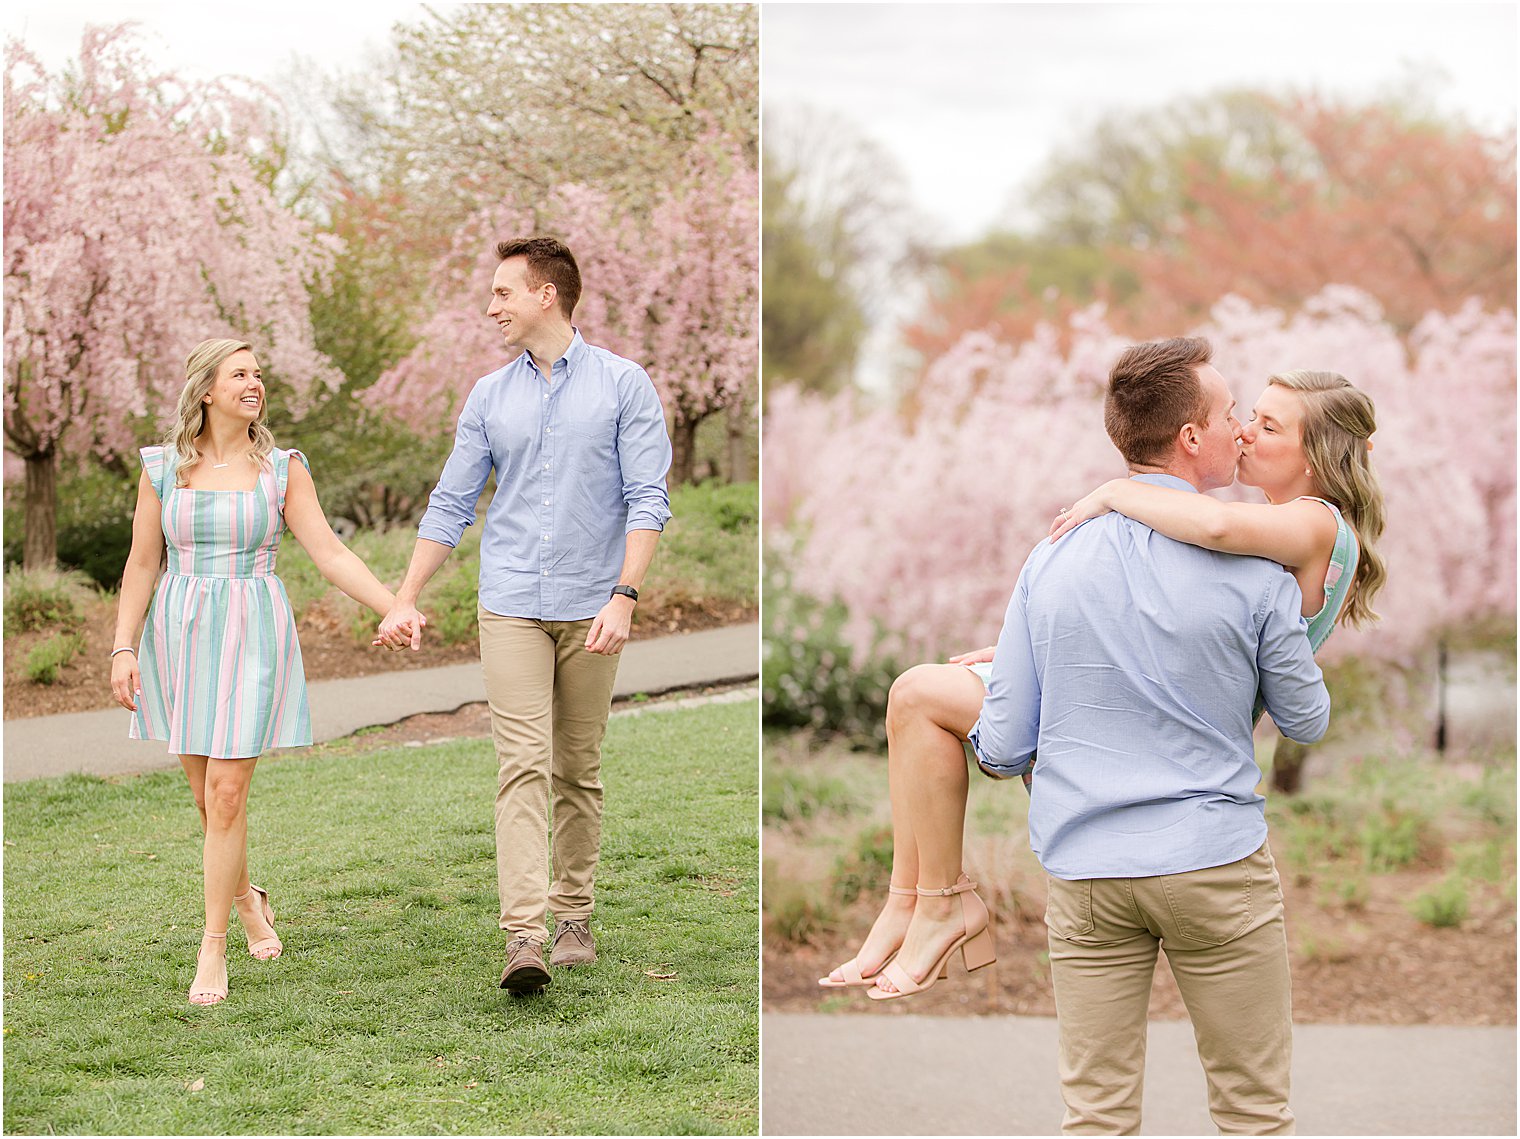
x=865 y=1074
x=96 y=743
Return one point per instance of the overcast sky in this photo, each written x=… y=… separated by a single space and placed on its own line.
x=203 y=40
x=971 y=99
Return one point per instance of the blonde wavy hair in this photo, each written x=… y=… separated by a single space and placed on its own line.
x=1336 y=432
x=205 y=360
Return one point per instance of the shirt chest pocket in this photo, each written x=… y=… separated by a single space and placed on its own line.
x=592 y=431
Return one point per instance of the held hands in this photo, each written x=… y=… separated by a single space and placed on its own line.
x=609 y=632
x=1088 y=507
x=401 y=627
x=979 y=656
x=126 y=680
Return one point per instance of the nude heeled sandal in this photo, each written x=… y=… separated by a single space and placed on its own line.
x=208 y=996
x=853 y=977
x=976 y=946
x=261 y=948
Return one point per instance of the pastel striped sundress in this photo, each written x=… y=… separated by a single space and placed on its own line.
x=220 y=663
x=1339 y=575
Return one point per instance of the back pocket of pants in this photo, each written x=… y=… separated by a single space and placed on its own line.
x=1214 y=905
x=1068 y=907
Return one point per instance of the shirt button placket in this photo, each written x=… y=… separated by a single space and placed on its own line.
x=546 y=516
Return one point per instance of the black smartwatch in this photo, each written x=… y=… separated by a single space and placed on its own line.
x=627 y=591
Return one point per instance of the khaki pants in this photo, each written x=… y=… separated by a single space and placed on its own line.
x=549 y=701
x=1222 y=930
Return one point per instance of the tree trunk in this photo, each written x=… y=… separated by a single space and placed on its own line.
x=39 y=549
x=683 y=446
x=1288 y=765
x=1441 y=697
x=738 y=451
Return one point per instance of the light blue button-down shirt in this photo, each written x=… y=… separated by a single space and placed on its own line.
x=580 y=461
x=1131 y=663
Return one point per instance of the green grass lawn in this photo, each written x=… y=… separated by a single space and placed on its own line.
x=383 y=1015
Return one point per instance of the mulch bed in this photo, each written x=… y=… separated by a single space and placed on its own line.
x=1376 y=965
x=328 y=651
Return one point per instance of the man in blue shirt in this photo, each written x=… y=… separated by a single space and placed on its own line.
x=577 y=438
x=1130 y=663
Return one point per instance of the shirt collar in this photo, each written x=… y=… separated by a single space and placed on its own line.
x=576 y=352
x=1166 y=480
x=572 y=357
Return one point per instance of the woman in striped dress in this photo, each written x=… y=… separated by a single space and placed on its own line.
x=218 y=671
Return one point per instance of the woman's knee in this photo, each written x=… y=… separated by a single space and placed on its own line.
x=918 y=693
x=225 y=801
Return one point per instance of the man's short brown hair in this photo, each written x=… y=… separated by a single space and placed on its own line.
x=1153 y=390
x=549 y=262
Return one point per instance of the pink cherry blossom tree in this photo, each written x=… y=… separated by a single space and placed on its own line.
x=919 y=524
x=675 y=290
x=138 y=221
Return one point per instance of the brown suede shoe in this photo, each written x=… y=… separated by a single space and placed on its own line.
x=525 y=972
x=573 y=944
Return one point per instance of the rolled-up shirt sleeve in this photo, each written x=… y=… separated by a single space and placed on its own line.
x=1006 y=733
x=451 y=506
x=643 y=453
x=1291 y=684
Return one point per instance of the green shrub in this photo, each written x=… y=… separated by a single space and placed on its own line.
x=1492 y=799
x=808 y=677
x=868 y=868
x=48 y=657
x=1329 y=950
x=304 y=585
x=1311 y=831
x=1393 y=838
x=451 y=605
x=387 y=553
x=795 y=910
x=1443 y=905
x=43 y=599
x=791 y=794
x=1490 y=861
x=1348 y=888
x=710 y=549
x=731 y=507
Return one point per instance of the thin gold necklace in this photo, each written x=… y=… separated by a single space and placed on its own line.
x=219 y=466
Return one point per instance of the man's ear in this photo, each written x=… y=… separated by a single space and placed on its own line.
x=1190 y=439
x=550 y=296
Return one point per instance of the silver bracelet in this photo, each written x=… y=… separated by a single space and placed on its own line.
x=123 y=649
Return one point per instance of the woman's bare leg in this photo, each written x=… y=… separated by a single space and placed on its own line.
x=931 y=710
x=224 y=858
x=922 y=701
x=250 y=908
x=195 y=772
